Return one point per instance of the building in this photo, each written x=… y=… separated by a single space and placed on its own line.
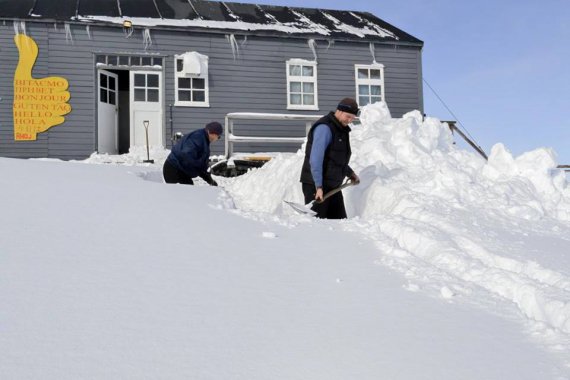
x=104 y=69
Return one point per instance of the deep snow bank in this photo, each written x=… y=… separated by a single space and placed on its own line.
x=398 y=159
x=436 y=211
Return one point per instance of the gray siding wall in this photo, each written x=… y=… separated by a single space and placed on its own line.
x=253 y=82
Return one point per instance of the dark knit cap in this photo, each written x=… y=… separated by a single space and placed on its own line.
x=348 y=105
x=215 y=127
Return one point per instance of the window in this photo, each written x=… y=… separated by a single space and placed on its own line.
x=302 y=85
x=369 y=81
x=191 y=80
x=147 y=88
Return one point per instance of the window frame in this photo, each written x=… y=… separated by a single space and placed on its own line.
x=178 y=75
x=302 y=79
x=369 y=82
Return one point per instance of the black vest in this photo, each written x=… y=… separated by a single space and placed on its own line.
x=337 y=154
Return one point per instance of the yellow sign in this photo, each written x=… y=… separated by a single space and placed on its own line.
x=39 y=104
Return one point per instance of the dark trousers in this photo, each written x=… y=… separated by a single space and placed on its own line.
x=172 y=174
x=331 y=208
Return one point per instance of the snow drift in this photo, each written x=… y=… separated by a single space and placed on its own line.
x=421 y=198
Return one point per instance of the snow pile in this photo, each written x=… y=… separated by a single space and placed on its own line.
x=437 y=212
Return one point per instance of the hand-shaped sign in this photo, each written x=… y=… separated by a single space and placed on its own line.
x=39 y=104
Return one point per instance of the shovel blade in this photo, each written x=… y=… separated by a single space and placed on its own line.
x=302 y=209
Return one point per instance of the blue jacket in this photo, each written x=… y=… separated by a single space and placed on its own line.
x=191 y=153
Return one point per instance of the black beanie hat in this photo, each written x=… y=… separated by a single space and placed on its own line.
x=215 y=127
x=348 y=105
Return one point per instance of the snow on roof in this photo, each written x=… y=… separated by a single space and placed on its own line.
x=212 y=15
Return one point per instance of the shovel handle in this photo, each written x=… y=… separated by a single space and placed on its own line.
x=334 y=191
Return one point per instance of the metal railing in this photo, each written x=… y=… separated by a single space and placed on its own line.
x=454 y=129
x=231 y=138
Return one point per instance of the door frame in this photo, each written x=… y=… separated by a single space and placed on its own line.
x=132 y=108
x=116 y=118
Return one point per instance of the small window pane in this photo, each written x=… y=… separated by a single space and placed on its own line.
x=362 y=73
x=296 y=99
x=140 y=95
x=199 y=83
x=102 y=80
x=184 y=96
x=199 y=96
x=135 y=61
x=309 y=88
x=374 y=74
x=112 y=97
x=140 y=80
x=375 y=99
x=112 y=84
x=157 y=61
x=295 y=86
x=295 y=70
x=112 y=60
x=103 y=97
x=308 y=71
x=363 y=90
x=152 y=80
x=375 y=90
x=101 y=59
x=363 y=100
x=308 y=100
x=184 y=83
x=124 y=60
x=179 y=65
x=152 y=96
x=146 y=61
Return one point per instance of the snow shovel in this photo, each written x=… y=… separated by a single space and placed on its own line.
x=306 y=209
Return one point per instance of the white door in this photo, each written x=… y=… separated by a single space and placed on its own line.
x=107 y=112
x=146 y=106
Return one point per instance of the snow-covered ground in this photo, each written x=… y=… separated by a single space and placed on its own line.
x=449 y=267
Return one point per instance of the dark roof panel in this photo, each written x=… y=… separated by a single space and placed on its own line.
x=16 y=9
x=283 y=15
x=107 y=8
x=57 y=10
x=175 y=9
x=212 y=11
x=247 y=13
x=138 y=8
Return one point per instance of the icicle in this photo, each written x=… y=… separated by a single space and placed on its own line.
x=129 y=32
x=20 y=27
x=373 y=52
x=68 y=35
x=244 y=41
x=55 y=26
x=88 y=31
x=147 y=39
x=234 y=44
x=331 y=44
x=313 y=46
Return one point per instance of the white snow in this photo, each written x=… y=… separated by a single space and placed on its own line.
x=303 y=25
x=449 y=267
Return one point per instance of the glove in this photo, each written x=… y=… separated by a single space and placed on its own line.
x=354 y=178
x=208 y=178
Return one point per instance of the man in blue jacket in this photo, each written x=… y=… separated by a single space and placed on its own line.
x=326 y=160
x=189 y=157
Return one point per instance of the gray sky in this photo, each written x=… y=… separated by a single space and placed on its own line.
x=502 y=67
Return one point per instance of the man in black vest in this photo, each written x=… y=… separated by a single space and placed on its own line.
x=326 y=160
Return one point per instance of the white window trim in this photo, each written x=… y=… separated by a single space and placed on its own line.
x=291 y=78
x=357 y=81
x=190 y=103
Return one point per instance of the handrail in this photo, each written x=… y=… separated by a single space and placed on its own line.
x=230 y=138
x=454 y=128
